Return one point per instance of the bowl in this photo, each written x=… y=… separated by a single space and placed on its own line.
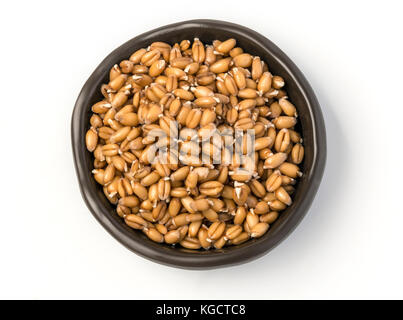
x=311 y=124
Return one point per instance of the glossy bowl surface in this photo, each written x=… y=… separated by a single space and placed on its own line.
x=311 y=124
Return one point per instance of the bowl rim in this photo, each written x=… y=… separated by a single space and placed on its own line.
x=178 y=258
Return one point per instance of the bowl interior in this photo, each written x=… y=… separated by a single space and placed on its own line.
x=310 y=124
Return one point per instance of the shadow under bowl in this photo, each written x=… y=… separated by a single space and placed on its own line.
x=311 y=124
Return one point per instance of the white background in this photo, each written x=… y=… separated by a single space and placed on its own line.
x=348 y=246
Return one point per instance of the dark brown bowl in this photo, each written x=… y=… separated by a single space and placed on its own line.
x=311 y=122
